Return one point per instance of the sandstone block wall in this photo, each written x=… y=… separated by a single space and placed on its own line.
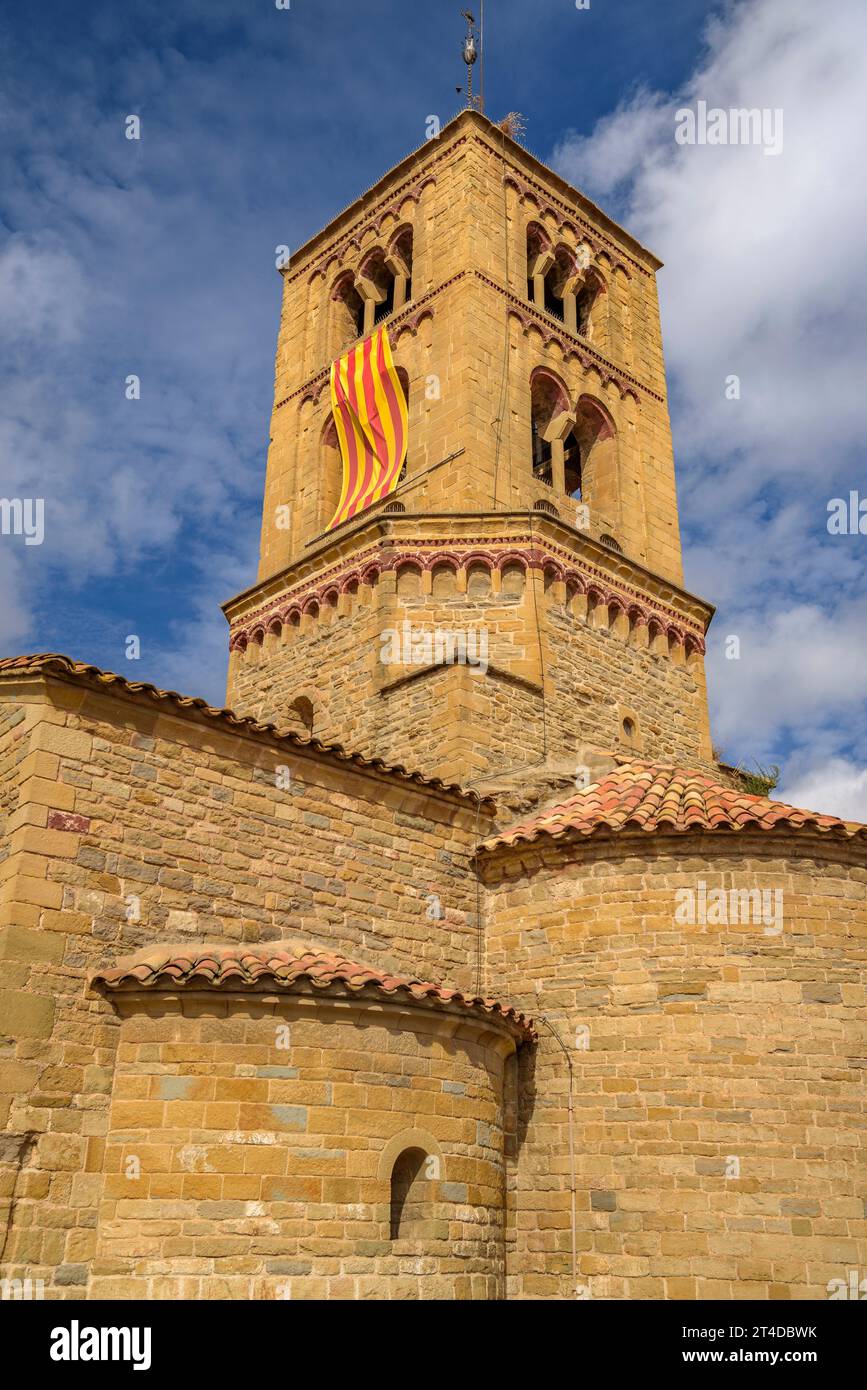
x=719 y=1098
x=237 y=1166
x=526 y=634
x=136 y=826
x=468 y=340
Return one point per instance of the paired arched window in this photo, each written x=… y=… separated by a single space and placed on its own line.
x=363 y=298
x=559 y=282
x=580 y=440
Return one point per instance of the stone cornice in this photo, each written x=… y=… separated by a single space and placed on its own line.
x=375 y=528
x=424 y=553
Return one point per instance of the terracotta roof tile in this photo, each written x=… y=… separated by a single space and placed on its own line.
x=52 y=663
x=281 y=965
x=650 y=797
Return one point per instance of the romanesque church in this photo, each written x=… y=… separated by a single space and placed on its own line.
x=446 y=961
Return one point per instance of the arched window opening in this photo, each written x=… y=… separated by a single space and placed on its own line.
x=400 y=257
x=541 y=454
x=538 y=257
x=348 y=313
x=585 y=303
x=379 y=282
x=330 y=473
x=572 y=466
x=596 y=443
x=409 y=1204
x=548 y=399
x=301 y=715
x=557 y=277
x=553 y=300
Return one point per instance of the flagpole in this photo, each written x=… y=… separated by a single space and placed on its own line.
x=482 y=56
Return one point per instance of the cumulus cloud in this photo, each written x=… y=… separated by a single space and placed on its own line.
x=765 y=280
x=159 y=262
x=838 y=783
x=766 y=255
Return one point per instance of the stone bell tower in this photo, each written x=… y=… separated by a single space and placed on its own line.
x=517 y=600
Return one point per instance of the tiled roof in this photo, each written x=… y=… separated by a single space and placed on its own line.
x=649 y=797
x=53 y=664
x=281 y=965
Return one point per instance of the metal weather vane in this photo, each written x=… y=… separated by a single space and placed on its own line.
x=471 y=51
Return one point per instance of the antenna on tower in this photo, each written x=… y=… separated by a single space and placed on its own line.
x=471 y=50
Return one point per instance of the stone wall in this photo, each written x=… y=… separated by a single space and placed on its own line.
x=10 y=756
x=596 y=669
x=140 y=823
x=469 y=197
x=252 y=1140
x=718 y=1070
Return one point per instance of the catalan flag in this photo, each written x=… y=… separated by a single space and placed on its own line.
x=370 y=417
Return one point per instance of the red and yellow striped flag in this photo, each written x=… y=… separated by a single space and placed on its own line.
x=370 y=417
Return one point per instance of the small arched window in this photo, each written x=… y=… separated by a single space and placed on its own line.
x=548 y=399
x=538 y=258
x=330 y=473
x=301 y=715
x=409 y=1195
x=400 y=258
x=378 y=279
x=348 y=314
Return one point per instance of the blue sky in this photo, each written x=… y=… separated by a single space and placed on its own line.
x=156 y=257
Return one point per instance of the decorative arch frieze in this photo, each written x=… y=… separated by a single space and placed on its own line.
x=598 y=589
x=556 y=336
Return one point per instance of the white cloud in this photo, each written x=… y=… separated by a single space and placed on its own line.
x=765 y=278
x=796 y=669
x=766 y=258
x=42 y=291
x=836 y=788
x=14 y=612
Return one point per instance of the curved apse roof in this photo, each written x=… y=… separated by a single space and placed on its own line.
x=642 y=796
x=282 y=965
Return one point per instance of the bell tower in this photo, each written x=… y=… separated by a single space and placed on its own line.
x=517 y=599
